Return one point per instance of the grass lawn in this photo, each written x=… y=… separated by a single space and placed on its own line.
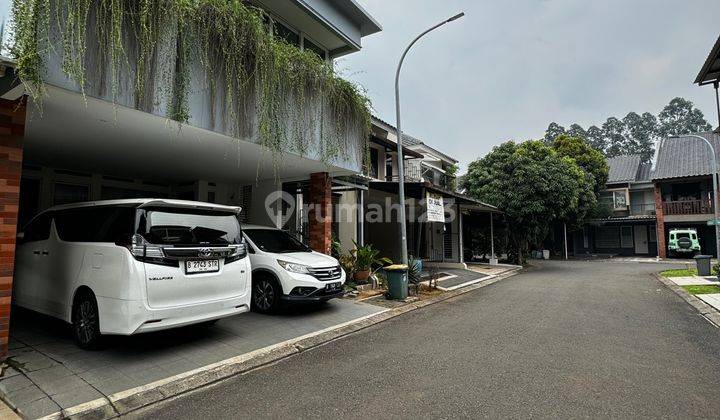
x=683 y=272
x=701 y=290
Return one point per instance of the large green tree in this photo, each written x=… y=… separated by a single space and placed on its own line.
x=533 y=184
x=681 y=117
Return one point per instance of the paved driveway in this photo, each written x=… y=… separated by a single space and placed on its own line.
x=568 y=339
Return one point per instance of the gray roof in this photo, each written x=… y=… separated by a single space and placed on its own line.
x=644 y=173
x=710 y=70
x=623 y=168
x=685 y=157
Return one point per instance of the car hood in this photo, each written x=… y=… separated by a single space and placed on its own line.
x=313 y=259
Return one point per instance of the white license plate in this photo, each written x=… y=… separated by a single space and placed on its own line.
x=332 y=287
x=202 y=266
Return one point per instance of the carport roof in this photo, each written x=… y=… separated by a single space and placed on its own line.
x=710 y=71
x=415 y=189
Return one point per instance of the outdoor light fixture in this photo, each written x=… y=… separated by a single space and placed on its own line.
x=401 y=164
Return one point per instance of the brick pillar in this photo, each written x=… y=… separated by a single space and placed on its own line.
x=12 y=129
x=320 y=212
x=660 y=223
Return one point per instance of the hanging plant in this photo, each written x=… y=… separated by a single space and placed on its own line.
x=257 y=84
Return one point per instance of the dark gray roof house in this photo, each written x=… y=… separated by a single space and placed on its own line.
x=685 y=157
x=628 y=169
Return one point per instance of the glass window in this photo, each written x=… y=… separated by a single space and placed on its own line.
x=276 y=241
x=374 y=163
x=607 y=237
x=70 y=193
x=287 y=34
x=38 y=229
x=95 y=224
x=626 y=237
x=311 y=46
x=619 y=199
x=189 y=227
x=653 y=234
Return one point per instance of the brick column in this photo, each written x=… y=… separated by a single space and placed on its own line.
x=12 y=130
x=660 y=223
x=320 y=212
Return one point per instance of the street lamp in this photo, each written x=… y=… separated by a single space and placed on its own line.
x=713 y=161
x=401 y=165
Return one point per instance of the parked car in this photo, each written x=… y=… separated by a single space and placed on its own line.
x=285 y=269
x=683 y=242
x=132 y=266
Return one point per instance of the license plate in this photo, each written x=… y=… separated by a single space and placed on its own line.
x=330 y=287
x=202 y=266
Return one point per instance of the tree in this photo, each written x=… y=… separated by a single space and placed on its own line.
x=532 y=184
x=586 y=157
x=552 y=132
x=596 y=138
x=640 y=135
x=576 y=130
x=681 y=117
x=614 y=135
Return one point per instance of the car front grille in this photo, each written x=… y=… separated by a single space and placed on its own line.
x=326 y=273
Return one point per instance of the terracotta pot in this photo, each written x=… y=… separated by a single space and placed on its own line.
x=361 y=275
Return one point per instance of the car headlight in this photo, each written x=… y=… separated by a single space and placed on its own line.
x=293 y=267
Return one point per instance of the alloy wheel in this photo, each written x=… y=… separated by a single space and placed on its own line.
x=86 y=322
x=264 y=295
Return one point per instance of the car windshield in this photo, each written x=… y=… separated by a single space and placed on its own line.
x=189 y=227
x=275 y=241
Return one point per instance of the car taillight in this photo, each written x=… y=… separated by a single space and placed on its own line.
x=239 y=252
x=144 y=251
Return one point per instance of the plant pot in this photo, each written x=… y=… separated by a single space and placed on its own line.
x=361 y=276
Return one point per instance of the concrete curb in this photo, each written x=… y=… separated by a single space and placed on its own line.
x=707 y=311
x=126 y=401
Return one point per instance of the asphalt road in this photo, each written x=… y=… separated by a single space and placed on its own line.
x=577 y=339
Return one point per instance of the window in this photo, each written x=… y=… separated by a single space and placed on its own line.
x=607 y=237
x=653 y=235
x=275 y=241
x=620 y=200
x=189 y=227
x=287 y=34
x=311 y=46
x=38 y=229
x=626 y=237
x=69 y=193
x=389 y=167
x=374 y=163
x=95 y=224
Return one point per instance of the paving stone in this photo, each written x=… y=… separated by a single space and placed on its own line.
x=14 y=383
x=76 y=396
x=61 y=385
x=39 y=408
x=50 y=374
x=26 y=395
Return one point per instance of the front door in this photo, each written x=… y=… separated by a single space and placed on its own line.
x=641 y=240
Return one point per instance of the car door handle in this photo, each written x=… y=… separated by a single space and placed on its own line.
x=36 y=252
x=45 y=252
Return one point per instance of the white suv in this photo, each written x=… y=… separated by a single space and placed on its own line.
x=285 y=269
x=131 y=266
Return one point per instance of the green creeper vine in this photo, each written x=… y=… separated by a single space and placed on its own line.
x=257 y=83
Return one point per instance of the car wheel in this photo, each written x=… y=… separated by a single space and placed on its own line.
x=265 y=295
x=86 y=321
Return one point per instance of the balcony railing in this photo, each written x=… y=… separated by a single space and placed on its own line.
x=642 y=209
x=688 y=207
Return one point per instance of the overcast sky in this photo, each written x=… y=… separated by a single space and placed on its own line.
x=508 y=68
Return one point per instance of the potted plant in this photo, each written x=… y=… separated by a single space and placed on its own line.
x=365 y=257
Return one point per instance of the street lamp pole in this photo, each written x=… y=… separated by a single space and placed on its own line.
x=401 y=165
x=713 y=161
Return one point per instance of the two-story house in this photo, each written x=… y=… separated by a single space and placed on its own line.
x=98 y=133
x=435 y=238
x=683 y=189
x=627 y=225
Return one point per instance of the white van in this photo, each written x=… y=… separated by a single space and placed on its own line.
x=131 y=266
x=286 y=270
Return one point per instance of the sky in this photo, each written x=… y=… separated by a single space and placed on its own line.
x=509 y=68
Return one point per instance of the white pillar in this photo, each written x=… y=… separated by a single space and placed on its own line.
x=566 y=243
x=361 y=218
x=493 y=259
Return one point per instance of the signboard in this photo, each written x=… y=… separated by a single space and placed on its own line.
x=713 y=222
x=435 y=208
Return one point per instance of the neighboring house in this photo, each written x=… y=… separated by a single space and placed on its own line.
x=628 y=200
x=426 y=176
x=82 y=146
x=683 y=189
